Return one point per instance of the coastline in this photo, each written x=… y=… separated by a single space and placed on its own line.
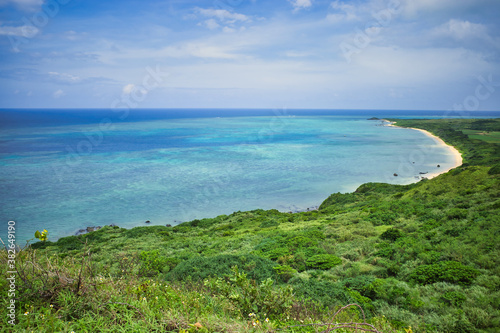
x=457 y=157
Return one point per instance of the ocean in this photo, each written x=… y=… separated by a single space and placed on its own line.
x=64 y=170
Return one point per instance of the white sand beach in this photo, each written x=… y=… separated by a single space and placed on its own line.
x=453 y=151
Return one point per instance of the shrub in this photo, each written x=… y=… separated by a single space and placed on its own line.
x=298 y=242
x=181 y=228
x=457 y=213
x=430 y=257
x=314 y=233
x=324 y=292
x=278 y=252
x=286 y=272
x=151 y=264
x=136 y=232
x=454 y=298
x=495 y=170
x=323 y=261
x=382 y=218
x=339 y=198
x=293 y=245
x=391 y=234
x=252 y=298
x=68 y=243
x=268 y=224
x=444 y=271
x=385 y=250
x=200 y=268
x=361 y=283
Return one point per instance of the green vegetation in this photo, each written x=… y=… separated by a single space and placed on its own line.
x=425 y=255
x=493 y=137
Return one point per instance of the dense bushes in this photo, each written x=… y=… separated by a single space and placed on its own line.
x=298 y=250
x=200 y=268
x=454 y=298
x=444 y=271
x=391 y=234
x=382 y=218
x=324 y=292
x=151 y=263
x=495 y=170
x=323 y=261
x=253 y=298
x=339 y=199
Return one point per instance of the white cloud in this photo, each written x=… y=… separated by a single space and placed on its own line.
x=297 y=54
x=426 y=68
x=300 y=4
x=210 y=24
x=460 y=30
x=73 y=35
x=58 y=93
x=209 y=51
x=198 y=50
x=128 y=88
x=26 y=5
x=343 y=12
x=64 y=78
x=221 y=18
x=223 y=15
x=184 y=50
x=460 y=33
x=228 y=29
x=26 y=31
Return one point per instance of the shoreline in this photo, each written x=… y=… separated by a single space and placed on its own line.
x=457 y=157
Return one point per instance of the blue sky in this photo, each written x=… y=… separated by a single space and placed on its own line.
x=366 y=54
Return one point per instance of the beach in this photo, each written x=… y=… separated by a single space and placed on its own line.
x=458 y=160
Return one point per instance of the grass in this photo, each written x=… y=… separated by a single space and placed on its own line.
x=424 y=255
x=491 y=137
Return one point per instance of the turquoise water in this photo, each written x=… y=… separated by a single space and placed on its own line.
x=64 y=178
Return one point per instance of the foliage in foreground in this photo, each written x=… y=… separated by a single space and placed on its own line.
x=424 y=255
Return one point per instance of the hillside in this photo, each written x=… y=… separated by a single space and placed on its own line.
x=423 y=257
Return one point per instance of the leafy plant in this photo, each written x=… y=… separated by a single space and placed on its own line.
x=268 y=224
x=454 y=298
x=286 y=272
x=382 y=218
x=391 y=234
x=151 y=263
x=200 y=268
x=250 y=297
x=323 y=261
x=42 y=236
x=444 y=271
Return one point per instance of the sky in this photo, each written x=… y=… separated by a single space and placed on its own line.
x=363 y=54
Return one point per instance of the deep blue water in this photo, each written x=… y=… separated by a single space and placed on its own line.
x=60 y=117
x=64 y=170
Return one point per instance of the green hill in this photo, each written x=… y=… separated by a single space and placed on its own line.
x=425 y=256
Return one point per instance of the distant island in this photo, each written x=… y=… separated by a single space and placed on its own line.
x=422 y=257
